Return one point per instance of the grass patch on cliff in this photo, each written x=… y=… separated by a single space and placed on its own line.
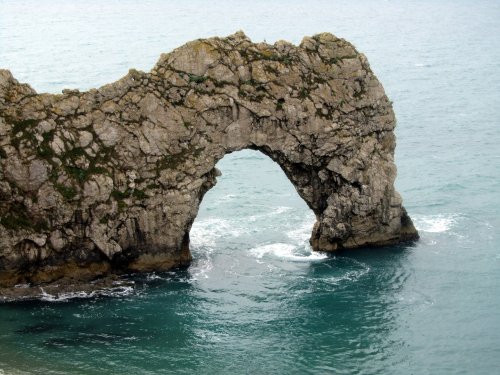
x=129 y=193
x=17 y=218
x=251 y=82
x=266 y=55
x=21 y=126
x=339 y=59
x=81 y=174
x=121 y=197
x=68 y=192
x=196 y=79
x=105 y=219
x=272 y=56
x=44 y=150
x=271 y=70
x=303 y=93
x=22 y=131
x=172 y=161
x=73 y=154
x=139 y=194
x=279 y=104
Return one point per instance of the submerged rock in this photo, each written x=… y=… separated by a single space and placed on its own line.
x=110 y=180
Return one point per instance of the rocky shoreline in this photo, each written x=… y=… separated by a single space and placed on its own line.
x=110 y=181
x=64 y=290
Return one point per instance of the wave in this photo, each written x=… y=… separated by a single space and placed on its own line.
x=209 y=233
x=285 y=251
x=201 y=268
x=205 y=232
x=302 y=233
x=435 y=223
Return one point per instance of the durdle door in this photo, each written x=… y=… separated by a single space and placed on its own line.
x=110 y=180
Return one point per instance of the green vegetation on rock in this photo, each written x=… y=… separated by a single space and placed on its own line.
x=68 y=192
x=18 y=217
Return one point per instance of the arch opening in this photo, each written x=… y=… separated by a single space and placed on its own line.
x=253 y=210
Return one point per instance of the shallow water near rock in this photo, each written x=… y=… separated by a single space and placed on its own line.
x=256 y=299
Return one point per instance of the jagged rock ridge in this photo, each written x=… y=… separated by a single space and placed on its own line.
x=110 y=180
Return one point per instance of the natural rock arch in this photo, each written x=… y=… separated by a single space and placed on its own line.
x=111 y=179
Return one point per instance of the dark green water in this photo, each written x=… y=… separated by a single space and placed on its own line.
x=256 y=300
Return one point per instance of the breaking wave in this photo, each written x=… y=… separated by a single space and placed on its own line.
x=435 y=223
x=285 y=251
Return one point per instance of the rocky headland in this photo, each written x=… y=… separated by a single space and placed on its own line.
x=109 y=181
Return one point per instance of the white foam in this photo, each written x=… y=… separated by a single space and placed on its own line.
x=116 y=291
x=201 y=269
x=119 y=291
x=205 y=232
x=22 y=286
x=435 y=223
x=152 y=276
x=303 y=232
x=285 y=251
x=422 y=65
x=203 y=235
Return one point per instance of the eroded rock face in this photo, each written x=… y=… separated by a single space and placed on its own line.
x=110 y=180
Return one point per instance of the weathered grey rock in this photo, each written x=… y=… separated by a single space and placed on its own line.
x=110 y=180
x=97 y=189
x=85 y=139
x=27 y=176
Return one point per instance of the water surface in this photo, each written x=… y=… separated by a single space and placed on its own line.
x=256 y=300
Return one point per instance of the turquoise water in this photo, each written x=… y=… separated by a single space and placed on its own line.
x=256 y=300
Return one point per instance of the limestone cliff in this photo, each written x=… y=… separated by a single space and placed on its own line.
x=110 y=180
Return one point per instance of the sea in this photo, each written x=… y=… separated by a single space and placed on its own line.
x=256 y=299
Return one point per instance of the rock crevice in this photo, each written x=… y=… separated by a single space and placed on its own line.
x=110 y=180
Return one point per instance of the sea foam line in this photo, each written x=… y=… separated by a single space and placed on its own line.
x=119 y=291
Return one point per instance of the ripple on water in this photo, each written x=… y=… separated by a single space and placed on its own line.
x=339 y=272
